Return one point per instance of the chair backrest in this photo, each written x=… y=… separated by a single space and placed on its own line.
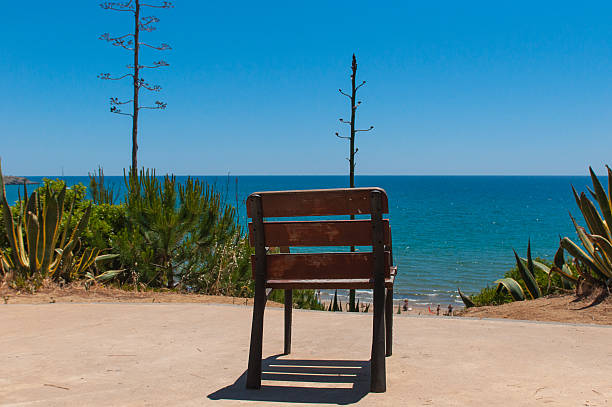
x=373 y=232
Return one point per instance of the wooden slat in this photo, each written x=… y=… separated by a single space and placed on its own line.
x=321 y=266
x=317 y=202
x=361 y=283
x=319 y=233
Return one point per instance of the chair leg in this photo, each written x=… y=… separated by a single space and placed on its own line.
x=389 y=321
x=255 y=350
x=288 y=318
x=378 y=378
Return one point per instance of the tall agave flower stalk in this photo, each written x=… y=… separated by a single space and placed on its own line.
x=592 y=261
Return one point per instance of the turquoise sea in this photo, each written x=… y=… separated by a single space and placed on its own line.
x=448 y=231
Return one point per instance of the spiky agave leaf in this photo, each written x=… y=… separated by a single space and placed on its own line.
x=5 y=263
x=603 y=201
x=108 y=275
x=50 y=228
x=593 y=194
x=603 y=245
x=513 y=288
x=609 y=185
x=106 y=257
x=529 y=259
x=84 y=262
x=466 y=300
x=561 y=268
x=528 y=278
x=32 y=231
x=575 y=251
x=11 y=229
x=592 y=217
x=559 y=260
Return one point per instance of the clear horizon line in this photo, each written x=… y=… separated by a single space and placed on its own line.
x=330 y=175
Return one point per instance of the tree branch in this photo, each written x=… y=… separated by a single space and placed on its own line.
x=158 y=105
x=162 y=47
x=340 y=90
x=144 y=22
x=119 y=41
x=339 y=136
x=114 y=109
x=344 y=121
x=143 y=84
x=116 y=102
x=117 y=6
x=106 y=76
x=165 y=4
x=156 y=64
x=371 y=128
x=148 y=20
x=360 y=85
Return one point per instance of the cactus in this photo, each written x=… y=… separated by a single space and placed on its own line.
x=37 y=241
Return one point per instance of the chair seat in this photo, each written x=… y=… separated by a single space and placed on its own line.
x=331 y=283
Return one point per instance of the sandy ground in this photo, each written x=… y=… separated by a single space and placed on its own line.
x=562 y=308
x=195 y=354
x=96 y=294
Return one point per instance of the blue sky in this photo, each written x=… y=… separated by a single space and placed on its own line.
x=452 y=88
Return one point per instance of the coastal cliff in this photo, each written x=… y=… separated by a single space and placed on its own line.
x=12 y=180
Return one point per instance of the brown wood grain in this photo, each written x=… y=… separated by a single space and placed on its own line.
x=321 y=266
x=317 y=202
x=319 y=233
x=359 y=283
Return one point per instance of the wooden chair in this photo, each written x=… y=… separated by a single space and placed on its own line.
x=358 y=270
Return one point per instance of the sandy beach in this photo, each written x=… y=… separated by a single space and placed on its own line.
x=122 y=354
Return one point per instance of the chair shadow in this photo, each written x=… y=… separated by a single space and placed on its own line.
x=316 y=373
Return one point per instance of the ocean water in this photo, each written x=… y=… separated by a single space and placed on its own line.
x=448 y=231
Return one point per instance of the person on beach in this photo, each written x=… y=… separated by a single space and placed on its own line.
x=438 y=310
x=406 y=304
x=450 y=310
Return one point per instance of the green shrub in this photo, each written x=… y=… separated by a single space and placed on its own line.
x=490 y=296
x=179 y=236
x=105 y=223
x=548 y=283
x=303 y=299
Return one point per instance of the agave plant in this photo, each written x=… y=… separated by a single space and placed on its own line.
x=593 y=264
x=528 y=271
x=39 y=244
x=36 y=239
